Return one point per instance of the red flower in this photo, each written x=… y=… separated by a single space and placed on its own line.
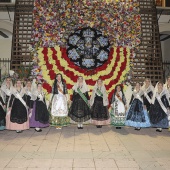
x=49 y=66
x=73 y=77
x=52 y=74
x=47 y=87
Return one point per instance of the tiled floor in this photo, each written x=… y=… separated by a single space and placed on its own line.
x=88 y=149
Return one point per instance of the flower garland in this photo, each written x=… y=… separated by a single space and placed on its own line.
x=54 y=21
x=55 y=60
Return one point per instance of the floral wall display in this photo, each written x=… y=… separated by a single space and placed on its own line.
x=55 y=60
x=55 y=20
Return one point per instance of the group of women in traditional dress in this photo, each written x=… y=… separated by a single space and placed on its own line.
x=22 y=107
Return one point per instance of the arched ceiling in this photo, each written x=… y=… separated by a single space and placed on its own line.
x=6 y=29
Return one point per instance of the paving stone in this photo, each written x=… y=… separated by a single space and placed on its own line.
x=87 y=149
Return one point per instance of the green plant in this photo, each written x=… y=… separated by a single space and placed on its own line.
x=24 y=72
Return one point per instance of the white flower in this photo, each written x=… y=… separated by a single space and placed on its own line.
x=11 y=72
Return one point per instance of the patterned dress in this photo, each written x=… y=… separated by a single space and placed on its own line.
x=79 y=110
x=40 y=114
x=99 y=112
x=59 y=108
x=5 y=96
x=6 y=92
x=118 y=113
x=137 y=116
x=17 y=118
x=158 y=113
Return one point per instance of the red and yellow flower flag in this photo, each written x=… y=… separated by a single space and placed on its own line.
x=55 y=60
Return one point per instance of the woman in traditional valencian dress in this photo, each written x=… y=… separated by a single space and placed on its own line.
x=167 y=87
x=137 y=115
x=148 y=93
x=59 y=110
x=28 y=92
x=17 y=116
x=99 y=105
x=80 y=107
x=6 y=90
x=39 y=117
x=118 y=104
x=2 y=112
x=159 y=110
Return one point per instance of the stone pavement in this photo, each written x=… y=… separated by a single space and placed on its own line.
x=88 y=149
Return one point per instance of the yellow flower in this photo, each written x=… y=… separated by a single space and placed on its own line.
x=94 y=77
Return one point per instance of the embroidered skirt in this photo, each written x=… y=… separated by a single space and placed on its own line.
x=118 y=115
x=137 y=116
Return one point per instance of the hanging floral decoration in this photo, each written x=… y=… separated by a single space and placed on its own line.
x=55 y=60
x=55 y=20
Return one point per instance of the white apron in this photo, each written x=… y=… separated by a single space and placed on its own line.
x=59 y=105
